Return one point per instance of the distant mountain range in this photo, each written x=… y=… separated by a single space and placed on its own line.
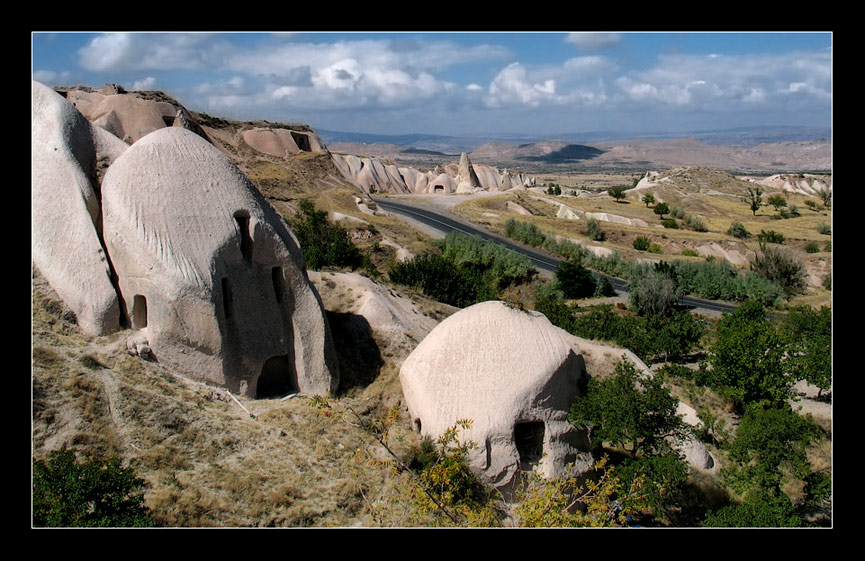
x=741 y=137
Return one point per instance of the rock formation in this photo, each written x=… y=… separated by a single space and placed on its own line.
x=373 y=176
x=66 y=242
x=514 y=375
x=179 y=246
x=467 y=179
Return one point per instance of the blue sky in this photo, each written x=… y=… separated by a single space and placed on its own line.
x=465 y=83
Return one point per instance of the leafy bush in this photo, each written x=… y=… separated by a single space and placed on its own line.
x=653 y=290
x=812 y=247
x=824 y=228
x=748 y=358
x=697 y=224
x=670 y=223
x=95 y=493
x=469 y=270
x=688 y=252
x=628 y=411
x=781 y=267
x=323 y=244
x=525 y=232
x=642 y=243
x=737 y=230
x=593 y=230
x=771 y=236
x=574 y=280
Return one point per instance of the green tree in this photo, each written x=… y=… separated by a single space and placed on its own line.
x=808 y=336
x=758 y=510
x=661 y=209
x=323 y=243
x=754 y=199
x=649 y=199
x=575 y=281
x=771 y=443
x=628 y=411
x=96 y=493
x=748 y=358
x=777 y=201
x=617 y=192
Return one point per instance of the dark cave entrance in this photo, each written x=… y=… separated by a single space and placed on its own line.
x=277 y=378
x=529 y=439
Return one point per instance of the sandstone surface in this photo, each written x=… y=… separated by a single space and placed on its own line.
x=210 y=272
x=514 y=375
x=66 y=237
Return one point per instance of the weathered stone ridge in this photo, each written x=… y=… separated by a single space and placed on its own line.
x=177 y=245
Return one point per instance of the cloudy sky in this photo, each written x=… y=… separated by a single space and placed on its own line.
x=465 y=83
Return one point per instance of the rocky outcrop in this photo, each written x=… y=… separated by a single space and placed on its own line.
x=177 y=245
x=373 y=176
x=66 y=237
x=281 y=142
x=514 y=375
x=467 y=179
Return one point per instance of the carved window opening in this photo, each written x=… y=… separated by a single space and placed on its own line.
x=278 y=283
x=139 y=312
x=529 y=439
x=302 y=141
x=242 y=218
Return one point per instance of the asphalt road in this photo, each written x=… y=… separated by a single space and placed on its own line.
x=443 y=222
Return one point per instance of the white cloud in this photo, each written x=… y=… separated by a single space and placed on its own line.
x=147 y=83
x=513 y=85
x=151 y=51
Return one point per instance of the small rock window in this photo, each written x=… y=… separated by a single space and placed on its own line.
x=278 y=283
x=242 y=219
x=139 y=312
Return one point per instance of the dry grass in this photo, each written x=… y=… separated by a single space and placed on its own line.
x=205 y=461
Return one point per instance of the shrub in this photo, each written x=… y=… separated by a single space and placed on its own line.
x=677 y=212
x=575 y=281
x=593 y=230
x=824 y=228
x=670 y=223
x=812 y=247
x=661 y=209
x=323 y=244
x=737 y=230
x=642 y=243
x=771 y=236
x=525 y=232
x=96 y=493
x=688 y=252
x=653 y=290
x=780 y=267
x=697 y=224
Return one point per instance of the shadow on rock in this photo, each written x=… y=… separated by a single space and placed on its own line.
x=357 y=352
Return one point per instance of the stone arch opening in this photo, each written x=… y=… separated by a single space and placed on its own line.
x=139 y=312
x=242 y=219
x=277 y=378
x=529 y=440
x=302 y=141
x=438 y=188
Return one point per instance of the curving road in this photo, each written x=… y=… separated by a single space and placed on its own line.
x=445 y=222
